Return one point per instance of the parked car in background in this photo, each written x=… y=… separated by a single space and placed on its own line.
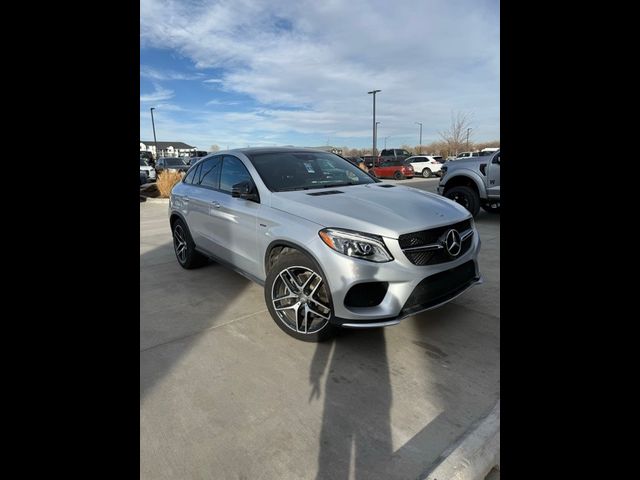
x=191 y=160
x=171 y=163
x=370 y=160
x=148 y=157
x=393 y=154
x=426 y=165
x=473 y=183
x=144 y=178
x=467 y=155
x=148 y=169
x=333 y=247
x=393 y=169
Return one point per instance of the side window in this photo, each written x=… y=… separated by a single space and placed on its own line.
x=189 y=176
x=210 y=172
x=496 y=159
x=161 y=163
x=233 y=171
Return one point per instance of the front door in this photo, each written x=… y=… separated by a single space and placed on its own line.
x=493 y=177
x=236 y=220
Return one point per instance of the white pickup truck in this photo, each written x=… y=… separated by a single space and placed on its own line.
x=426 y=165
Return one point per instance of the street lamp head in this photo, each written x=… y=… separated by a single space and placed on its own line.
x=374 y=91
x=418 y=123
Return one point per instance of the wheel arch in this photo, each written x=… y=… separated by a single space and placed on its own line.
x=466 y=179
x=275 y=248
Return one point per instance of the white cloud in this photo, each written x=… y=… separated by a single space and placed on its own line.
x=159 y=94
x=163 y=75
x=428 y=57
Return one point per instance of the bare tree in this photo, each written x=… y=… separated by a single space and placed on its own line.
x=214 y=148
x=456 y=136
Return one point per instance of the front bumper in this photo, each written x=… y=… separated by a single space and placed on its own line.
x=342 y=273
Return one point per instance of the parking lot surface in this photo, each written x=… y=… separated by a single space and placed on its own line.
x=224 y=393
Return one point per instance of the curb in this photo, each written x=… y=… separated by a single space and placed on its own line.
x=155 y=200
x=475 y=454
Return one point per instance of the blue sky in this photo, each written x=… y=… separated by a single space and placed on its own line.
x=282 y=72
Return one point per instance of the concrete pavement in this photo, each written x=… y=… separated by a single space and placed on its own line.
x=225 y=394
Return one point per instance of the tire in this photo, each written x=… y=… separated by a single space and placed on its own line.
x=316 y=296
x=398 y=176
x=426 y=173
x=466 y=197
x=491 y=207
x=184 y=248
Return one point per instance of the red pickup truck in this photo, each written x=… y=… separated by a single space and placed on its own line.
x=393 y=169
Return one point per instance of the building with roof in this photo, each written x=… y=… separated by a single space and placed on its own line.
x=167 y=149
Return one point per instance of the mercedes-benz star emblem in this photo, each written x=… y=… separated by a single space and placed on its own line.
x=453 y=243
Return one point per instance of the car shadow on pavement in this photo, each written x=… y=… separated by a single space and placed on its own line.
x=355 y=424
x=177 y=306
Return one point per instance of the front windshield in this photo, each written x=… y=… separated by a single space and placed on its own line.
x=174 y=162
x=284 y=171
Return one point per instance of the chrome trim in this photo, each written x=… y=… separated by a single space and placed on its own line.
x=433 y=246
x=466 y=234
x=371 y=325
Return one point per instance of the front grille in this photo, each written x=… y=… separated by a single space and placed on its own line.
x=440 y=287
x=431 y=237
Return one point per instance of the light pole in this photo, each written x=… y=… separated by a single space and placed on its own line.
x=377 y=123
x=468 y=138
x=373 y=152
x=154 y=132
x=420 y=145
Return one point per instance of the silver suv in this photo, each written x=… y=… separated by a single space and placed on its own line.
x=473 y=182
x=333 y=246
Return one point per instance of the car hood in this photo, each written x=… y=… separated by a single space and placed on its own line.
x=146 y=168
x=371 y=208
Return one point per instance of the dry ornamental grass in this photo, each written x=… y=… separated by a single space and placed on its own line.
x=166 y=180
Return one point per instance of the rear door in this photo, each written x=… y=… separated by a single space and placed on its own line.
x=203 y=200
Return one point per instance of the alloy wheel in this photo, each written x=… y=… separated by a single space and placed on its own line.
x=300 y=299
x=180 y=243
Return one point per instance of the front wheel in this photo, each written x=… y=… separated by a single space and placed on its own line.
x=398 y=176
x=426 y=173
x=466 y=197
x=298 y=298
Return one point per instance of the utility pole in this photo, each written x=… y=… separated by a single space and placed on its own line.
x=420 y=145
x=468 y=138
x=154 y=132
x=373 y=152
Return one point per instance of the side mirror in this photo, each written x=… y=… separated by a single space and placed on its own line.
x=245 y=190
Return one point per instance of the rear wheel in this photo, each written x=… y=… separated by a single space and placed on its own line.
x=298 y=298
x=426 y=173
x=184 y=247
x=398 y=176
x=466 y=197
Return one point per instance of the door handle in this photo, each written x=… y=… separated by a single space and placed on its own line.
x=216 y=204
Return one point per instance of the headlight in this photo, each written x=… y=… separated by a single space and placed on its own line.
x=358 y=245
